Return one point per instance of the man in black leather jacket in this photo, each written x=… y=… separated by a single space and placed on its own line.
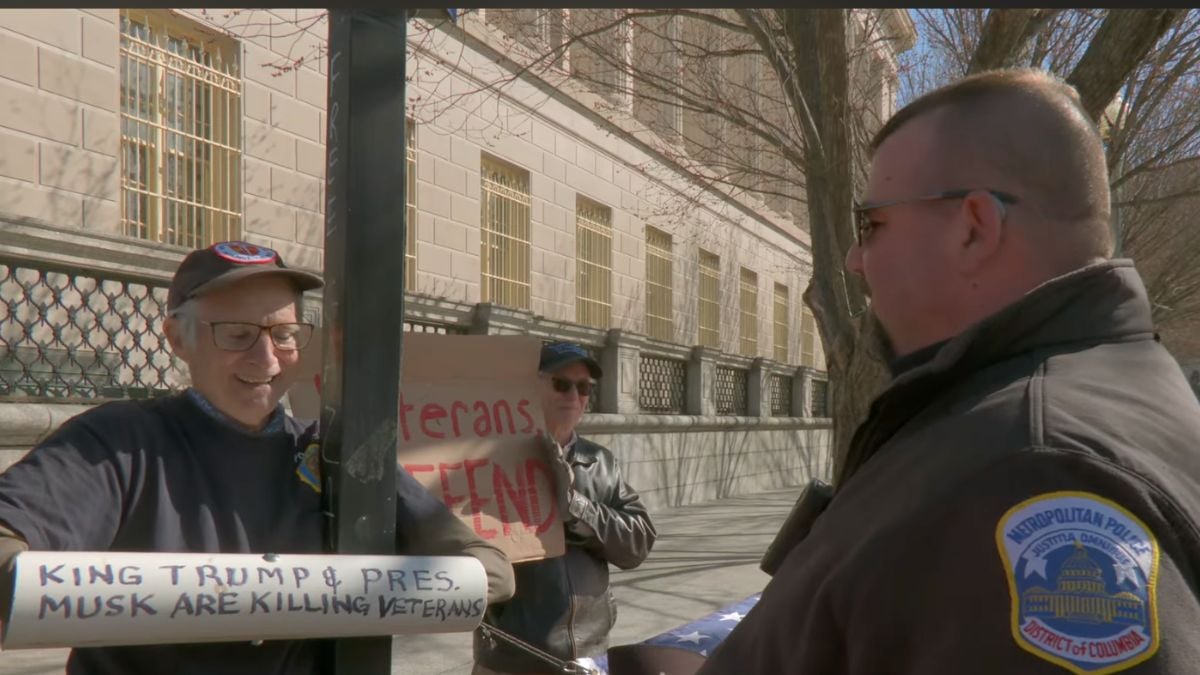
x=563 y=605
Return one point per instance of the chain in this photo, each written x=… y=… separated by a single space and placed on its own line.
x=565 y=667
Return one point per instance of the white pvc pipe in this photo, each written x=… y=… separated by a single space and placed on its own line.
x=93 y=599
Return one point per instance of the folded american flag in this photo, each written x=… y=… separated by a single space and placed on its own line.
x=661 y=653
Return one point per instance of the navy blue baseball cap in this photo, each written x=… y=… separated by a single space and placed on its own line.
x=208 y=269
x=558 y=354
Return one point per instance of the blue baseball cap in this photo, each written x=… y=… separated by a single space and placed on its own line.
x=558 y=354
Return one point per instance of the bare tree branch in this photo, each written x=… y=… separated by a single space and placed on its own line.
x=1122 y=41
x=1005 y=36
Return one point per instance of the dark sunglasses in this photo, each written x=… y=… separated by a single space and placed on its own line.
x=862 y=220
x=562 y=385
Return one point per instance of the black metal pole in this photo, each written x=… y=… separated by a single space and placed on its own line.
x=364 y=296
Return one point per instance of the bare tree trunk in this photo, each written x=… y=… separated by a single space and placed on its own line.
x=1122 y=41
x=1005 y=34
x=820 y=56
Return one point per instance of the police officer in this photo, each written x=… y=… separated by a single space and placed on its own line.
x=1024 y=496
x=219 y=467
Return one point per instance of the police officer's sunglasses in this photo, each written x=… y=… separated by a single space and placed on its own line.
x=239 y=336
x=562 y=385
x=862 y=219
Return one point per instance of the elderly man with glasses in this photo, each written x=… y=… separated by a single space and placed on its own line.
x=1024 y=496
x=218 y=467
x=563 y=609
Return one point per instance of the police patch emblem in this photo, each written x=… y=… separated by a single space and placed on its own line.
x=1082 y=573
x=244 y=254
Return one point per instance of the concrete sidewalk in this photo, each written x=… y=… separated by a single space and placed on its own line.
x=706 y=557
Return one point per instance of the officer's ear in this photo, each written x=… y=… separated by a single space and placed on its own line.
x=983 y=229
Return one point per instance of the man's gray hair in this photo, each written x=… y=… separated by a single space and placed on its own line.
x=188 y=316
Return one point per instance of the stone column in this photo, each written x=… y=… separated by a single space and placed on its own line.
x=758 y=389
x=701 y=382
x=802 y=392
x=620 y=360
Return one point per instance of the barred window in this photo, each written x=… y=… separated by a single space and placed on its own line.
x=657 y=53
x=593 y=266
x=710 y=299
x=820 y=398
x=748 y=308
x=659 y=285
x=410 y=203
x=600 y=54
x=781 y=323
x=662 y=384
x=504 y=233
x=731 y=391
x=181 y=139
x=436 y=327
x=781 y=396
x=540 y=29
x=808 y=337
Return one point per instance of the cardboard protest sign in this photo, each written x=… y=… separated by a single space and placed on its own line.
x=94 y=599
x=467 y=430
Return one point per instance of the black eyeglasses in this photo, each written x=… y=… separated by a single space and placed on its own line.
x=863 y=224
x=239 y=336
x=562 y=385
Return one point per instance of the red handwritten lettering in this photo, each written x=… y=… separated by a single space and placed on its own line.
x=489 y=418
x=454 y=408
x=501 y=488
x=477 y=502
x=414 y=469
x=523 y=411
x=432 y=412
x=496 y=408
x=447 y=496
x=483 y=423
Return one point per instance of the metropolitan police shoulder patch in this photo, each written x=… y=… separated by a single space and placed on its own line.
x=1082 y=573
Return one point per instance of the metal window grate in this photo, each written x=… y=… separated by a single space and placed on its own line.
x=781 y=396
x=602 y=58
x=782 y=334
x=68 y=333
x=414 y=326
x=820 y=398
x=731 y=391
x=541 y=30
x=593 y=267
x=410 y=199
x=748 y=310
x=662 y=385
x=181 y=141
x=808 y=337
x=659 y=285
x=504 y=235
x=709 y=304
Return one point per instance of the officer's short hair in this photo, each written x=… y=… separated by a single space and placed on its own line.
x=1028 y=128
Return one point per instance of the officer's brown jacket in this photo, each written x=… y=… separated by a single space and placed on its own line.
x=1066 y=390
